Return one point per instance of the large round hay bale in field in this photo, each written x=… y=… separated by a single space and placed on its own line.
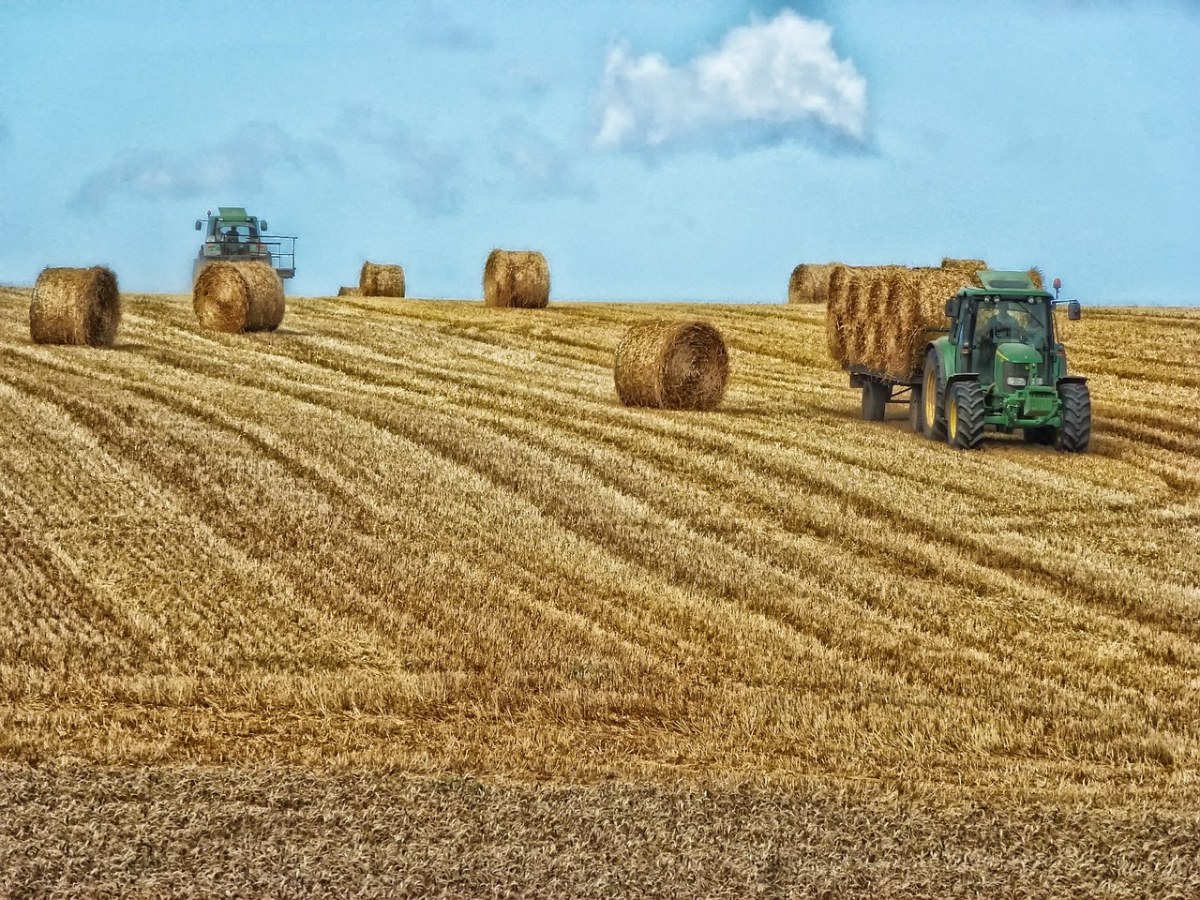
x=381 y=280
x=345 y=291
x=516 y=278
x=237 y=297
x=672 y=365
x=810 y=283
x=75 y=306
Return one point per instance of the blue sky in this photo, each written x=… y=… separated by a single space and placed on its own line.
x=656 y=151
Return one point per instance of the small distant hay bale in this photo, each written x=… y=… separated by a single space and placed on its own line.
x=516 y=278
x=75 y=306
x=672 y=365
x=810 y=283
x=345 y=291
x=237 y=297
x=381 y=280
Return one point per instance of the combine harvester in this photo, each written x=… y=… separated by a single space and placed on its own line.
x=233 y=236
x=999 y=365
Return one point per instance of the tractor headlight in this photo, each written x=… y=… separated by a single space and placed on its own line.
x=1015 y=381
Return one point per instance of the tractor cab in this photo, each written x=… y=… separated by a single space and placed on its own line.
x=1002 y=366
x=1004 y=332
x=232 y=235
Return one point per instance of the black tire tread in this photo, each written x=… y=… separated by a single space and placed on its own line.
x=968 y=396
x=1076 y=432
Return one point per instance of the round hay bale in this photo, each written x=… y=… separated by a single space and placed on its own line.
x=237 y=297
x=672 y=365
x=75 y=306
x=835 y=312
x=857 y=311
x=968 y=268
x=345 y=291
x=810 y=283
x=516 y=278
x=381 y=280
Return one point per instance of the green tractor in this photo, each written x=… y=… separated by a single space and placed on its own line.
x=233 y=236
x=1002 y=365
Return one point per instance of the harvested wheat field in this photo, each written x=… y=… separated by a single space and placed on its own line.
x=400 y=600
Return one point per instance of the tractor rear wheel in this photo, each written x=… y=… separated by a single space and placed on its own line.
x=914 y=409
x=964 y=415
x=933 y=386
x=1076 y=431
x=1042 y=434
x=875 y=395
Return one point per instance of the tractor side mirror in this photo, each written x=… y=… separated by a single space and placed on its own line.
x=952 y=308
x=263 y=226
x=198 y=225
x=1074 y=311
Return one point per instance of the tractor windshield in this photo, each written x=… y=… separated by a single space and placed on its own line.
x=1026 y=321
x=239 y=233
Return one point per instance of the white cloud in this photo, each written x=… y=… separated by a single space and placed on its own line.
x=239 y=163
x=767 y=81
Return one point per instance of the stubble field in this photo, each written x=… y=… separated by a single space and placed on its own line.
x=418 y=550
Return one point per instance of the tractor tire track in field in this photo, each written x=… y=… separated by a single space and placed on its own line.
x=449 y=515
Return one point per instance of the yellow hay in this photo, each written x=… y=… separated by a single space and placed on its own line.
x=75 y=306
x=381 y=280
x=672 y=365
x=810 y=283
x=237 y=297
x=516 y=278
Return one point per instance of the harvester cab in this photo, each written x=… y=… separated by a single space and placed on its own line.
x=1002 y=365
x=231 y=235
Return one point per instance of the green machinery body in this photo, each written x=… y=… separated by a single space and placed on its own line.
x=1000 y=365
x=232 y=235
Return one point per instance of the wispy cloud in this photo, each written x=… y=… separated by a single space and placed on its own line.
x=240 y=163
x=430 y=173
x=437 y=25
x=538 y=166
x=766 y=82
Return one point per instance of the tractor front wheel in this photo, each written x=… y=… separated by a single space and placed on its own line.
x=964 y=415
x=875 y=395
x=933 y=385
x=1076 y=431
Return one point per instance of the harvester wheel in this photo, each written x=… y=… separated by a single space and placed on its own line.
x=964 y=415
x=1076 y=431
x=1042 y=434
x=875 y=396
x=914 y=409
x=933 y=386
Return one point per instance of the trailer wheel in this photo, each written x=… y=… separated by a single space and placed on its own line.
x=875 y=395
x=933 y=386
x=964 y=415
x=914 y=409
x=1076 y=431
